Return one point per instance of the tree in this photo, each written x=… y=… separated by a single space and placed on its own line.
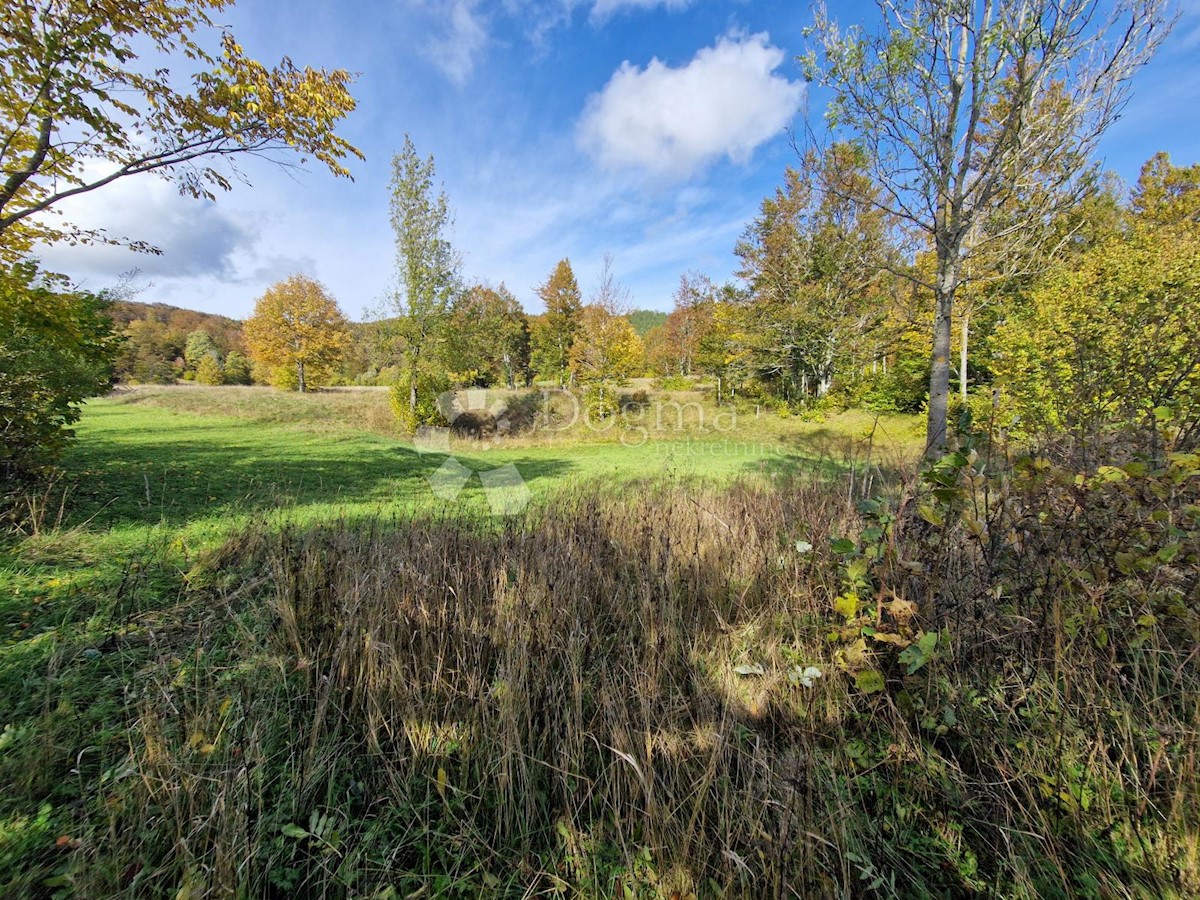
x=489 y=336
x=678 y=342
x=554 y=331
x=148 y=352
x=606 y=352
x=80 y=108
x=237 y=368
x=1167 y=194
x=816 y=261
x=1111 y=336
x=200 y=346
x=210 y=371
x=427 y=269
x=297 y=327
x=921 y=97
x=56 y=350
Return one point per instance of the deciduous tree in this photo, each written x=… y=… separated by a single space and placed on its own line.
x=56 y=350
x=816 y=261
x=605 y=353
x=427 y=269
x=298 y=327
x=554 y=331
x=1112 y=335
x=200 y=346
x=917 y=96
x=87 y=97
x=489 y=336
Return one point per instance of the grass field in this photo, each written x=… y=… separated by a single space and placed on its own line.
x=179 y=456
x=261 y=656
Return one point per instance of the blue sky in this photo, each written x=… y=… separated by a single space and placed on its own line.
x=648 y=129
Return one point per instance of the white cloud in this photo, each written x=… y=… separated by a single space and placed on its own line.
x=672 y=121
x=457 y=50
x=602 y=10
x=197 y=238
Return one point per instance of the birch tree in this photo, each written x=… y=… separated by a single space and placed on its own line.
x=920 y=96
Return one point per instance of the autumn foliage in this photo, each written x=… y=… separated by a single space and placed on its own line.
x=298 y=331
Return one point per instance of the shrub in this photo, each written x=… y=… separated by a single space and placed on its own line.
x=427 y=412
x=1112 y=340
x=600 y=400
x=674 y=383
x=210 y=371
x=56 y=350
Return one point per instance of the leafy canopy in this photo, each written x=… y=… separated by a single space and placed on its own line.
x=298 y=330
x=56 y=350
x=80 y=107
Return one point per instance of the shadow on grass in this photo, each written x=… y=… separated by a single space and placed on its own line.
x=192 y=470
x=830 y=452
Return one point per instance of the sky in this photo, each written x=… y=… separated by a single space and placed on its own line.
x=650 y=130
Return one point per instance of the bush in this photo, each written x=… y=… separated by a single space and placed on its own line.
x=56 y=350
x=1112 y=340
x=427 y=412
x=634 y=401
x=674 y=383
x=600 y=400
x=209 y=371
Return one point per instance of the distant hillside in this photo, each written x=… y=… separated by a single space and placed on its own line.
x=645 y=319
x=225 y=331
x=156 y=337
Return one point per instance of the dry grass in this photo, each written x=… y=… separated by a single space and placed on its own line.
x=549 y=706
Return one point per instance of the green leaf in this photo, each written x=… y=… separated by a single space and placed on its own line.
x=294 y=831
x=931 y=514
x=846 y=605
x=869 y=681
x=856 y=571
x=842 y=545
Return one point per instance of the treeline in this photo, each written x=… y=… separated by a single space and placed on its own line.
x=490 y=342
x=826 y=310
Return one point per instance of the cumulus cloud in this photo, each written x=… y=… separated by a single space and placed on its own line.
x=673 y=121
x=196 y=238
x=456 y=51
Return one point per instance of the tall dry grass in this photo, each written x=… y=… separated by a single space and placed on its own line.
x=607 y=697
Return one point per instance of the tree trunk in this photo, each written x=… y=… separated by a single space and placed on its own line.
x=300 y=376
x=412 y=391
x=962 y=359
x=939 y=371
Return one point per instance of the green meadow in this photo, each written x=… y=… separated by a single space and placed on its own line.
x=254 y=653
